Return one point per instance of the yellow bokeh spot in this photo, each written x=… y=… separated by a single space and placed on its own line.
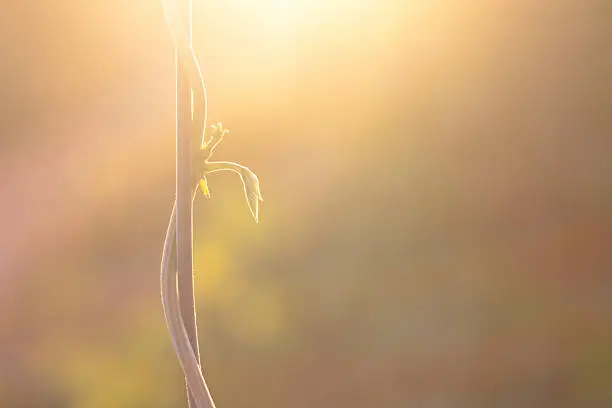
x=211 y=266
x=258 y=318
x=215 y=282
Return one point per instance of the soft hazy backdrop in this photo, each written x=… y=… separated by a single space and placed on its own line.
x=437 y=230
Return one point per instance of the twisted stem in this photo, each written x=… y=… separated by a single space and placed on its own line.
x=170 y=296
x=185 y=354
x=170 y=299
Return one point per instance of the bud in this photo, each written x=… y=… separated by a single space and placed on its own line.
x=204 y=186
x=251 y=191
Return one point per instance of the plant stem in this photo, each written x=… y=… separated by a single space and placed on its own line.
x=184 y=193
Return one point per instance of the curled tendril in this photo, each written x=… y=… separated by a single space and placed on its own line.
x=249 y=180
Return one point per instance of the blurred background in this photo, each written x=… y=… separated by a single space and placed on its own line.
x=437 y=230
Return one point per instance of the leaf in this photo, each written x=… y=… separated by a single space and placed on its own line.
x=249 y=181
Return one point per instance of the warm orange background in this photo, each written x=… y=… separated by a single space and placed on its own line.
x=437 y=224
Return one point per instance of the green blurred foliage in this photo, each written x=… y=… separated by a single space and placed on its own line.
x=437 y=223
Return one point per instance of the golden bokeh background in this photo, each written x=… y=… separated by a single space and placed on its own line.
x=438 y=217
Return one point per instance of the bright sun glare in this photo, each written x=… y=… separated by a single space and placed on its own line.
x=274 y=11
